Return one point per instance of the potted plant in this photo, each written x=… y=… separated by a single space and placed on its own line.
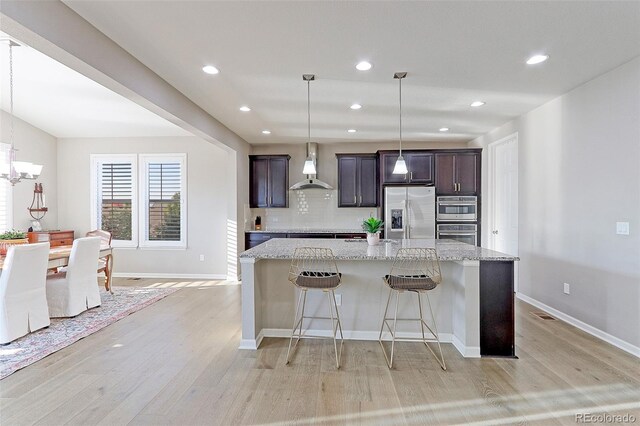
x=10 y=238
x=372 y=227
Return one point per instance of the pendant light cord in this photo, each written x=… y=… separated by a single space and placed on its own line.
x=400 y=86
x=308 y=111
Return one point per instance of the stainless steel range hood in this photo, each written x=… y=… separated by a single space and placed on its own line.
x=311 y=181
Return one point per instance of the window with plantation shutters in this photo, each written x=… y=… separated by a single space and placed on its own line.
x=114 y=197
x=163 y=178
x=140 y=199
x=5 y=192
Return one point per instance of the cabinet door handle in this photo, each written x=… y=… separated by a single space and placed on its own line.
x=270 y=200
x=355 y=199
x=361 y=199
x=410 y=175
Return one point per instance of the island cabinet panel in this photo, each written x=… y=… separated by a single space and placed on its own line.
x=457 y=173
x=357 y=180
x=268 y=181
x=497 y=309
x=420 y=165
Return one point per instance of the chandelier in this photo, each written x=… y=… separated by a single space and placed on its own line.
x=12 y=170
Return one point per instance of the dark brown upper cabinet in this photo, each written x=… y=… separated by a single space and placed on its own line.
x=420 y=165
x=458 y=173
x=269 y=181
x=357 y=180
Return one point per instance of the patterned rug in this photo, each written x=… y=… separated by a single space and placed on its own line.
x=64 y=331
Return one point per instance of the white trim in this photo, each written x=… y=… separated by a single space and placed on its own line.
x=95 y=161
x=596 y=332
x=163 y=275
x=253 y=344
x=144 y=160
x=465 y=351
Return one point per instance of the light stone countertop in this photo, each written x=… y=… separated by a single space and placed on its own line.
x=448 y=250
x=309 y=231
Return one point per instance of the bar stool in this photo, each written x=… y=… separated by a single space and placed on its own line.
x=315 y=269
x=416 y=270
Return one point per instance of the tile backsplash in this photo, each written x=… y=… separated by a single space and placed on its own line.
x=310 y=208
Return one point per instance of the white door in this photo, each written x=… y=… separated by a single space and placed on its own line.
x=504 y=195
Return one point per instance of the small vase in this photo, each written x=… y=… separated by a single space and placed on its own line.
x=373 y=239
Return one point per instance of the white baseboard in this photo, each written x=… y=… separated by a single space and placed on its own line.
x=596 y=332
x=467 y=352
x=170 y=276
x=251 y=344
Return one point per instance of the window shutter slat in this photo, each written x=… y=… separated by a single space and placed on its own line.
x=116 y=197
x=164 y=210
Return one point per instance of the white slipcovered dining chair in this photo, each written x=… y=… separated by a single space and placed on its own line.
x=23 y=299
x=75 y=290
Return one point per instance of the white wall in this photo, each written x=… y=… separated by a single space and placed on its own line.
x=211 y=175
x=35 y=146
x=315 y=208
x=579 y=173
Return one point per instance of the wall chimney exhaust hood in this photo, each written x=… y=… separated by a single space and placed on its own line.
x=311 y=181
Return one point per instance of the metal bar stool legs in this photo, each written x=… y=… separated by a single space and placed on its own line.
x=423 y=324
x=336 y=325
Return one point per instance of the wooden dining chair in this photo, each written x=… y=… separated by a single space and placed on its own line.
x=104 y=265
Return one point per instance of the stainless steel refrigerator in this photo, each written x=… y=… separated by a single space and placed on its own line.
x=410 y=212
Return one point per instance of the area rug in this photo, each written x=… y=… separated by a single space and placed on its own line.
x=64 y=331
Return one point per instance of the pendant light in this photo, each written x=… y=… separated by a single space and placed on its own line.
x=309 y=164
x=401 y=166
x=15 y=171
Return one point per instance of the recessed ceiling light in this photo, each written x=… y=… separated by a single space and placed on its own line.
x=477 y=103
x=266 y=132
x=536 y=59
x=210 y=69
x=444 y=129
x=352 y=130
x=245 y=109
x=363 y=66
x=355 y=106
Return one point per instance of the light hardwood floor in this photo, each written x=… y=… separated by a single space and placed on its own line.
x=177 y=362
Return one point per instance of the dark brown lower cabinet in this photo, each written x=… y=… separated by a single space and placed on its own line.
x=315 y=235
x=252 y=239
x=497 y=309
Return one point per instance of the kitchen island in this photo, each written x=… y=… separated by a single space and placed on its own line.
x=474 y=305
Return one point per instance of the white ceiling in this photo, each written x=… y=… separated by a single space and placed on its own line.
x=454 y=52
x=66 y=104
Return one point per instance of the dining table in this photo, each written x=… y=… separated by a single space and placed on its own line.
x=59 y=258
